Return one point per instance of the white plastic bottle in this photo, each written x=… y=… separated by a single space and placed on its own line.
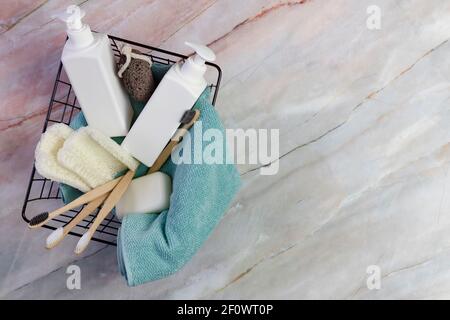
x=160 y=118
x=89 y=64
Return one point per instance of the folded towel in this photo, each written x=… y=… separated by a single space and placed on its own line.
x=153 y=246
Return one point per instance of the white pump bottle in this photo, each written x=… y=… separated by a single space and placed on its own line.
x=175 y=94
x=89 y=64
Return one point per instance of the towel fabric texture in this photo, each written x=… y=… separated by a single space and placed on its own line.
x=154 y=246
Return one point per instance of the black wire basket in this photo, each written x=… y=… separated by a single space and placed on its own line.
x=43 y=194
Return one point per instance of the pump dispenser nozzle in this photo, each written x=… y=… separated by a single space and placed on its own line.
x=80 y=34
x=72 y=17
x=194 y=67
x=203 y=53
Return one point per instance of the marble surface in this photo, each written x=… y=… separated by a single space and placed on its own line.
x=364 y=147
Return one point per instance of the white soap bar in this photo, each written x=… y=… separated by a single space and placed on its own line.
x=146 y=194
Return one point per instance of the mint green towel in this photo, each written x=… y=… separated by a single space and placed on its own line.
x=154 y=246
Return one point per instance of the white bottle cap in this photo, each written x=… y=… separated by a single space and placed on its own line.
x=80 y=34
x=194 y=67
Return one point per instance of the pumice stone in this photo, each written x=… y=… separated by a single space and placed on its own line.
x=137 y=77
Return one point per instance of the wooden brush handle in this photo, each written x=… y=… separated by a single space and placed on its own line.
x=87 y=197
x=88 y=209
x=112 y=199
x=110 y=202
x=164 y=155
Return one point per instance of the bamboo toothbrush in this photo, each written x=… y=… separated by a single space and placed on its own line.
x=58 y=235
x=109 y=204
x=44 y=217
x=188 y=120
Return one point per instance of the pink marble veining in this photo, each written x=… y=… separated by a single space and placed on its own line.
x=13 y=11
x=363 y=118
x=30 y=47
x=29 y=57
x=30 y=52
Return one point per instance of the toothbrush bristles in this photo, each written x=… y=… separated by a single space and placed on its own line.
x=187 y=116
x=82 y=243
x=38 y=219
x=54 y=237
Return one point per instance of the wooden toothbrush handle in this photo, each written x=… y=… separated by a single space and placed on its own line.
x=88 y=209
x=87 y=197
x=164 y=155
x=112 y=199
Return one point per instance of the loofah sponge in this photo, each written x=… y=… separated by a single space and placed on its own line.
x=46 y=157
x=113 y=148
x=87 y=159
x=137 y=78
x=95 y=157
x=83 y=159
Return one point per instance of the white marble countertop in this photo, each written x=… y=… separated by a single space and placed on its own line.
x=364 y=118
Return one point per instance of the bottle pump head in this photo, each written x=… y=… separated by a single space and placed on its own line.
x=194 y=67
x=80 y=34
